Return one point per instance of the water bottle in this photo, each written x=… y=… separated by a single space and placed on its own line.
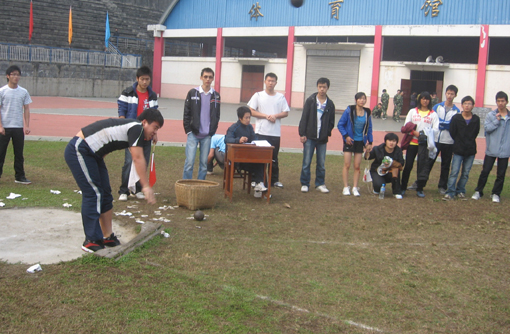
x=382 y=191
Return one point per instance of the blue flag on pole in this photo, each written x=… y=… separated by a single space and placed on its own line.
x=107 y=32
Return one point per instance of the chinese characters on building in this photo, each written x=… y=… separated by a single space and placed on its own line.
x=432 y=5
x=255 y=12
x=335 y=7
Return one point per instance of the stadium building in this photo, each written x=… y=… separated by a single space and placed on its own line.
x=360 y=45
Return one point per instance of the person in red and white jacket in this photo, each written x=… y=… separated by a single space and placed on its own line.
x=424 y=118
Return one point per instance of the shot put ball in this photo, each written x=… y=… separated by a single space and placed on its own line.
x=297 y=3
x=199 y=215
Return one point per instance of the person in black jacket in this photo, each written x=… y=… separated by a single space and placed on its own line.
x=201 y=118
x=388 y=149
x=317 y=121
x=464 y=129
x=242 y=132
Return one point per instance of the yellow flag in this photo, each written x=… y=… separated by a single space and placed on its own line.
x=70 y=37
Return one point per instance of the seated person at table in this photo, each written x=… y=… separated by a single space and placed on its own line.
x=388 y=162
x=241 y=133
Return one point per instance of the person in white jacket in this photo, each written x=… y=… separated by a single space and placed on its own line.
x=444 y=142
x=424 y=118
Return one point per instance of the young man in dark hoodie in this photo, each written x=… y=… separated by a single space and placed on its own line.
x=317 y=121
x=464 y=129
x=132 y=102
x=242 y=132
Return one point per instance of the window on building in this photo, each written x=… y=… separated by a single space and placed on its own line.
x=335 y=39
x=190 y=47
x=259 y=47
x=499 y=49
x=463 y=50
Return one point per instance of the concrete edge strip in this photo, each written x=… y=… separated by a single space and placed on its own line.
x=149 y=231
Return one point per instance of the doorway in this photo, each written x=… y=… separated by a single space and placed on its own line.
x=420 y=81
x=252 y=81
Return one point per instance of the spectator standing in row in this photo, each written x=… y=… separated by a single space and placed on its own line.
x=14 y=121
x=464 y=129
x=497 y=139
x=444 y=141
x=355 y=125
x=398 y=101
x=269 y=107
x=385 y=99
x=317 y=121
x=200 y=121
x=131 y=103
x=426 y=120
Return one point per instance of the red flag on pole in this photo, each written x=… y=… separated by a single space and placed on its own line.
x=152 y=174
x=31 y=23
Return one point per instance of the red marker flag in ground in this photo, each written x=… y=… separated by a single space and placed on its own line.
x=152 y=174
x=31 y=23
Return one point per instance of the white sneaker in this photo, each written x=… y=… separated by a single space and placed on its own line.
x=398 y=196
x=257 y=194
x=123 y=197
x=210 y=173
x=476 y=196
x=322 y=189
x=260 y=187
x=346 y=191
x=304 y=189
x=278 y=184
x=140 y=195
x=253 y=184
x=355 y=191
x=495 y=198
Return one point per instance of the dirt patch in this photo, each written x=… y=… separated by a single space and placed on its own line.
x=39 y=235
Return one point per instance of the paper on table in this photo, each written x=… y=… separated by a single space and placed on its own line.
x=263 y=143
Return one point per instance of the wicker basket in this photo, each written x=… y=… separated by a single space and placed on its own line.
x=196 y=194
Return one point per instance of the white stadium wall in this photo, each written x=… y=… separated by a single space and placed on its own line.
x=180 y=74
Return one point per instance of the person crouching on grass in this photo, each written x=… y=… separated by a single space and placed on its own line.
x=391 y=172
x=84 y=155
x=242 y=133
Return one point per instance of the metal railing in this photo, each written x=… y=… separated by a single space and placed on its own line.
x=46 y=54
x=129 y=43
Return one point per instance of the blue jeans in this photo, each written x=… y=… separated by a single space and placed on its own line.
x=191 y=150
x=467 y=163
x=320 y=170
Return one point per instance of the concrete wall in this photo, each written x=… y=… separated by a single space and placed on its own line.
x=497 y=80
x=180 y=74
x=365 y=71
x=42 y=79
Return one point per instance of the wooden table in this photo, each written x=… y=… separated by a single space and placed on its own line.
x=246 y=153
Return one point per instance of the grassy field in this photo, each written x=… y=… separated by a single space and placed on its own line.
x=306 y=263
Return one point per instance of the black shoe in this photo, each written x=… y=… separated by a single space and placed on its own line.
x=92 y=246
x=111 y=241
x=23 y=180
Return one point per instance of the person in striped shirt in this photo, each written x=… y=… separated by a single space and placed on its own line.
x=84 y=155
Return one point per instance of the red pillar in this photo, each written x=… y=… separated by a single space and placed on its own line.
x=157 y=64
x=376 y=67
x=290 y=65
x=219 y=54
x=483 y=56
